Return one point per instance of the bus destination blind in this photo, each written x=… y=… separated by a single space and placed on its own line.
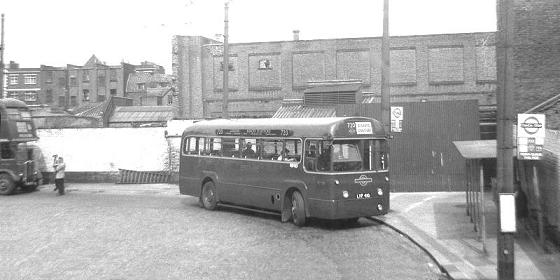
x=255 y=132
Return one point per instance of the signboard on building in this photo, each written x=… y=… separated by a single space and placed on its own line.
x=530 y=136
x=396 y=118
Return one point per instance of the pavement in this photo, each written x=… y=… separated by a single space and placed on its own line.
x=437 y=221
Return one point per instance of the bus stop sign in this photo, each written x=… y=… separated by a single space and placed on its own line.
x=530 y=136
x=396 y=118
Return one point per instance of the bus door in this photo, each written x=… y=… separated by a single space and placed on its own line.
x=228 y=169
x=278 y=160
x=249 y=189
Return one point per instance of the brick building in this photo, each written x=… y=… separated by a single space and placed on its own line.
x=537 y=58
x=23 y=83
x=151 y=89
x=73 y=86
x=262 y=74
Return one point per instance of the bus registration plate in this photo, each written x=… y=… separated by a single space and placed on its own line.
x=363 y=195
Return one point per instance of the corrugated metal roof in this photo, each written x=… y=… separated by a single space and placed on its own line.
x=142 y=114
x=90 y=110
x=300 y=111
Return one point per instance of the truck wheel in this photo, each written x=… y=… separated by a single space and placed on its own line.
x=7 y=185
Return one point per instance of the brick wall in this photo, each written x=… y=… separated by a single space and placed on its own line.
x=444 y=66
x=537 y=53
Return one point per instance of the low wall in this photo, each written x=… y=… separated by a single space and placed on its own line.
x=105 y=149
x=97 y=154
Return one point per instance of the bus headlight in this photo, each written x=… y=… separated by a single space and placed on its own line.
x=379 y=191
x=379 y=207
x=345 y=194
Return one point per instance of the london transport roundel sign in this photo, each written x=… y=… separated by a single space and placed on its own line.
x=530 y=125
x=531 y=133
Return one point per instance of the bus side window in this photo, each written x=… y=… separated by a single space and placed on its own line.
x=190 y=147
x=203 y=146
x=292 y=150
x=311 y=154
x=215 y=146
x=230 y=147
x=249 y=147
x=270 y=149
x=380 y=155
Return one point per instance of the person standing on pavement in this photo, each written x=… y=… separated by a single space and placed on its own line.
x=59 y=168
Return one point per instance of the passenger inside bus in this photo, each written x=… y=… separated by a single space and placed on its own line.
x=249 y=152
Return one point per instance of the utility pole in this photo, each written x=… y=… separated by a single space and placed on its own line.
x=385 y=71
x=2 y=60
x=505 y=102
x=225 y=67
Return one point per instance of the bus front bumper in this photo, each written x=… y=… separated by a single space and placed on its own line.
x=349 y=208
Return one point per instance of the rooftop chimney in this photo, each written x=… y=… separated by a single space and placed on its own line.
x=13 y=65
x=296 y=35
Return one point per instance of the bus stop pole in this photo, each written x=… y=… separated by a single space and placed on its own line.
x=2 y=60
x=505 y=104
x=385 y=71
x=225 y=66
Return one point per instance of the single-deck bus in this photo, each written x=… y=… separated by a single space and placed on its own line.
x=329 y=168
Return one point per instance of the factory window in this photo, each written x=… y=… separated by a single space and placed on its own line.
x=30 y=96
x=30 y=79
x=13 y=79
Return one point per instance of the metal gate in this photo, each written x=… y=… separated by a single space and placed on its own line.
x=423 y=157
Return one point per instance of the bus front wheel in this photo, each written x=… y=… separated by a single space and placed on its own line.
x=208 y=196
x=298 y=209
x=7 y=185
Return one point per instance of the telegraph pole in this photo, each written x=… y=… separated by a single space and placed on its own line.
x=225 y=66
x=385 y=71
x=505 y=102
x=2 y=60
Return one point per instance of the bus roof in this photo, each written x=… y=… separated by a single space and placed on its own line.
x=296 y=127
x=11 y=102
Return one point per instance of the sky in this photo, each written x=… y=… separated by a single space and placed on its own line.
x=60 y=32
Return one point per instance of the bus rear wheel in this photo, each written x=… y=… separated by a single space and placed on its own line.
x=298 y=209
x=208 y=196
x=7 y=185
